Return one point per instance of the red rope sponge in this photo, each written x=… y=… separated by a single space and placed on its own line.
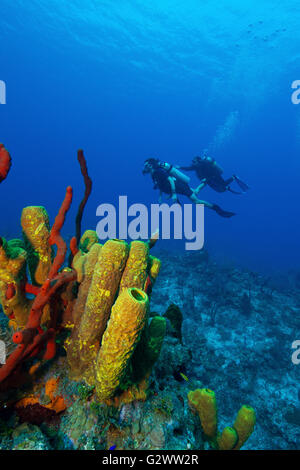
x=88 y=189
x=55 y=237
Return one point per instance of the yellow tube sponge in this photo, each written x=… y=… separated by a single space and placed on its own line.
x=78 y=263
x=81 y=259
x=91 y=258
x=12 y=274
x=101 y=296
x=204 y=402
x=127 y=320
x=88 y=239
x=244 y=425
x=12 y=260
x=36 y=231
x=155 y=265
x=135 y=272
x=228 y=439
x=72 y=343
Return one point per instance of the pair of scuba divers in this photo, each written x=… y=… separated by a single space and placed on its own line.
x=171 y=181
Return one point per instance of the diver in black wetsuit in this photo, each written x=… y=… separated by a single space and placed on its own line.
x=170 y=181
x=209 y=172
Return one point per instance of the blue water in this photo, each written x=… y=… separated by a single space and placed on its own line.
x=127 y=80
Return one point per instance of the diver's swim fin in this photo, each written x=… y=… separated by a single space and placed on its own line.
x=221 y=212
x=242 y=185
x=234 y=192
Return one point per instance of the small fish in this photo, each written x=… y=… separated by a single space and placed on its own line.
x=184 y=377
x=112 y=447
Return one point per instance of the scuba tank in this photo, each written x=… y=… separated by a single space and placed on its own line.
x=174 y=172
x=214 y=164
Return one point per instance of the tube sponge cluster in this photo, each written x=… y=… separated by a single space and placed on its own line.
x=203 y=402
x=101 y=296
x=110 y=317
x=33 y=252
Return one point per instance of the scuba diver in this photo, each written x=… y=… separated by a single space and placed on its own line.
x=209 y=171
x=171 y=181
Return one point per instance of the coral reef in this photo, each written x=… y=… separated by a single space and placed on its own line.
x=216 y=357
x=91 y=367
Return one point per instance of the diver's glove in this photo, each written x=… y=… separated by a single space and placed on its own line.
x=221 y=212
